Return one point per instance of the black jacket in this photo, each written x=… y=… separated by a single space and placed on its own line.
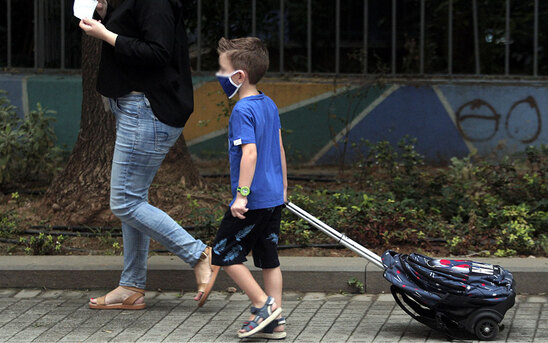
x=150 y=56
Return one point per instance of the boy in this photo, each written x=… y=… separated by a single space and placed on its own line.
x=258 y=178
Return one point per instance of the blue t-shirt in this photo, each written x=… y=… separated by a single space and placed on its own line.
x=255 y=119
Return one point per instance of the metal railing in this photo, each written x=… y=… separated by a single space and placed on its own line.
x=44 y=46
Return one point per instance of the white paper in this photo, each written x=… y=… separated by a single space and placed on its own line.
x=84 y=8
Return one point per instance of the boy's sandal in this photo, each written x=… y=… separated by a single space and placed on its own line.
x=206 y=288
x=268 y=331
x=265 y=313
x=127 y=304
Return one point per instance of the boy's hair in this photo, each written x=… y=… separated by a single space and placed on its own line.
x=249 y=54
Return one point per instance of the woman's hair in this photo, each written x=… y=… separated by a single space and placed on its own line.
x=249 y=54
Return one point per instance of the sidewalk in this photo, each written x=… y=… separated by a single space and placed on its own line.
x=63 y=316
x=303 y=274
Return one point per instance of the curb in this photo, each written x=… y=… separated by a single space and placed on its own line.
x=169 y=273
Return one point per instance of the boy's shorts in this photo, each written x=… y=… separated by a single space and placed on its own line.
x=258 y=232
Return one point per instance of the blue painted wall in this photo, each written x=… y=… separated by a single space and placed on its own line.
x=508 y=117
x=408 y=111
x=448 y=120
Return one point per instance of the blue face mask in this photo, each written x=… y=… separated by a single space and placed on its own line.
x=228 y=85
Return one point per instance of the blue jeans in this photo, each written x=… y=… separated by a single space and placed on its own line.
x=142 y=142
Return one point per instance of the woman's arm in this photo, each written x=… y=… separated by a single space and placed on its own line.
x=157 y=28
x=94 y=28
x=154 y=46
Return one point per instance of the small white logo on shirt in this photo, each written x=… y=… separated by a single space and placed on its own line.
x=238 y=141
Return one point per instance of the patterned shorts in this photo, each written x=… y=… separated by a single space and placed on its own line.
x=258 y=232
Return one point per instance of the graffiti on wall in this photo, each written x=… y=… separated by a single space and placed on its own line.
x=478 y=121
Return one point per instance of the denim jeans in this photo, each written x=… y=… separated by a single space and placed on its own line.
x=142 y=142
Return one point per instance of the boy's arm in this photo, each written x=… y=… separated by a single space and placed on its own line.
x=284 y=166
x=247 y=170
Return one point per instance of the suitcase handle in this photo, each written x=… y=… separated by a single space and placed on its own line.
x=339 y=237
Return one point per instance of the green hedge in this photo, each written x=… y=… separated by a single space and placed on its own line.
x=499 y=208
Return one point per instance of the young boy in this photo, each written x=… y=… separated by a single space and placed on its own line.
x=258 y=177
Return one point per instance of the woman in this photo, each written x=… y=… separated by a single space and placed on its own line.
x=145 y=73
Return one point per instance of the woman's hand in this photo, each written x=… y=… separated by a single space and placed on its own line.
x=102 y=8
x=94 y=28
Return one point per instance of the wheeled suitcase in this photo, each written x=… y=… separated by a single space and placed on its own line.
x=463 y=298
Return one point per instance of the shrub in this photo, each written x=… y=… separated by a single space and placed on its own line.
x=8 y=224
x=472 y=205
x=42 y=244
x=27 y=146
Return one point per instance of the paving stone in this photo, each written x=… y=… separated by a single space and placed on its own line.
x=363 y=297
x=385 y=298
x=238 y=297
x=55 y=293
x=27 y=293
x=537 y=299
x=314 y=296
x=215 y=295
x=338 y=297
x=168 y=296
x=74 y=294
x=311 y=317
x=292 y=296
x=521 y=298
x=151 y=294
x=8 y=292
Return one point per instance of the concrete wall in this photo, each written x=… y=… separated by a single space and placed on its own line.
x=447 y=119
x=60 y=93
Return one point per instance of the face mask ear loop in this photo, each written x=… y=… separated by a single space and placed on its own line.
x=234 y=84
x=230 y=78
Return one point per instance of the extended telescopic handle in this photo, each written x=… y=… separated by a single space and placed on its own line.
x=339 y=237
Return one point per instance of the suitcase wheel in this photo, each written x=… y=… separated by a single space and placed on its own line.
x=486 y=329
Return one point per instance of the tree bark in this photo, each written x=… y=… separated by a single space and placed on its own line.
x=81 y=190
x=80 y=193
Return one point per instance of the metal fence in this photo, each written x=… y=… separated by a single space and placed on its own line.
x=36 y=35
x=51 y=31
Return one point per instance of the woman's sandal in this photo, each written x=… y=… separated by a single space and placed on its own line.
x=127 y=304
x=268 y=331
x=206 y=288
x=265 y=313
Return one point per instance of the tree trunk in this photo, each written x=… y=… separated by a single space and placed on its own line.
x=80 y=193
x=81 y=190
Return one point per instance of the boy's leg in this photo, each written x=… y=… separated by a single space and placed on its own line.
x=234 y=239
x=243 y=278
x=273 y=284
x=265 y=256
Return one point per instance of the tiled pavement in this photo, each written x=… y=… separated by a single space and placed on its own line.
x=63 y=316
